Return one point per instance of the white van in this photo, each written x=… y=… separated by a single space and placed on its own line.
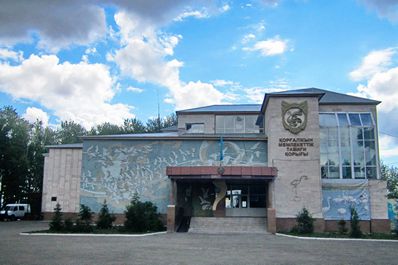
x=15 y=211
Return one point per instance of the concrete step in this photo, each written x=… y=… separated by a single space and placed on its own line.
x=226 y=225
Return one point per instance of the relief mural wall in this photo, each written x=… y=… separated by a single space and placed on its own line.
x=340 y=195
x=116 y=169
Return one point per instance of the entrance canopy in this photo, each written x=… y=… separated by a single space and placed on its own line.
x=221 y=172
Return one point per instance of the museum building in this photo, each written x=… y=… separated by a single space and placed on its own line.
x=232 y=166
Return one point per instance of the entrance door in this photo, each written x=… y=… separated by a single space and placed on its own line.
x=246 y=199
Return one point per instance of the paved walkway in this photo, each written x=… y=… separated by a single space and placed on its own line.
x=184 y=248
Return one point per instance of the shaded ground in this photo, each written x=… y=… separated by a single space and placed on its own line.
x=182 y=248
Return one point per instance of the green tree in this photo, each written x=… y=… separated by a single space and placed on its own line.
x=305 y=222
x=106 y=128
x=70 y=132
x=14 y=138
x=83 y=224
x=155 y=125
x=133 y=126
x=56 y=221
x=390 y=174
x=355 y=229
x=105 y=219
x=142 y=216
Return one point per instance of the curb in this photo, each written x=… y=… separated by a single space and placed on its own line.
x=338 y=239
x=92 y=235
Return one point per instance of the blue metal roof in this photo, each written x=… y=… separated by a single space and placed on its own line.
x=249 y=108
x=330 y=97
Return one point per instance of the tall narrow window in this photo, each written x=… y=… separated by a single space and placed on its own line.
x=347 y=145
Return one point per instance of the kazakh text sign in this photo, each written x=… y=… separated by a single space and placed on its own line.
x=296 y=146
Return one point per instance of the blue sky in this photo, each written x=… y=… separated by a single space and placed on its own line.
x=97 y=61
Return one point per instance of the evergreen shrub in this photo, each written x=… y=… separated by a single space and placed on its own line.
x=142 y=216
x=305 y=222
x=105 y=219
x=355 y=229
x=56 y=224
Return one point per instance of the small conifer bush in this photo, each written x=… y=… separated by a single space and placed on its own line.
x=56 y=222
x=355 y=229
x=83 y=224
x=305 y=222
x=342 y=226
x=105 y=219
x=142 y=216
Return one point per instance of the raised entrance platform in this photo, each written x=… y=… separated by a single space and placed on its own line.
x=225 y=225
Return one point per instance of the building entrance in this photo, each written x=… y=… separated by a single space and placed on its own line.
x=246 y=199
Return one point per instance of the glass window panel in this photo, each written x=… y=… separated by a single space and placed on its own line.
x=228 y=201
x=334 y=172
x=324 y=171
x=359 y=173
x=366 y=119
x=371 y=172
x=358 y=153
x=356 y=134
x=220 y=124
x=346 y=156
x=239 y=189
x=327 y=120
x=354 y=119
x=370 y=153
x=257 y=201
x=229 y=124
x=324 y=158
x=257 y=189
x=244 y=201
x=343 y=121
x=347 y=173
x=345 y=137
x=333 y=133
x=239 y=124
x=250 y=124
x=369 y=133
x=235 y=201
x=333 y=159
x=195 y=127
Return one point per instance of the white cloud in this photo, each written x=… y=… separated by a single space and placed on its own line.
x=135 y=89
x=247 y=38
x=387 y=146
x=33 y=114
x=19 y=20
x=374 y=62
x=7 y=54
x=380 y=82
x=195 y=94
x=195 y=14
x=382 y=86
x=225 y=8
x=256 y=94
x=80 y=92
x=222 y=83
x=384 y=8
x=145 y=56
x=269 y=47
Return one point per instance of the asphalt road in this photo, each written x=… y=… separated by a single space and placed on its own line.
x=182 y=248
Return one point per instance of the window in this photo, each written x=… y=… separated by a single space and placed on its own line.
x=347 y=146
x=246 y=196
x=236 y=124
x=195 y=127
x=53 y=199
x=21 y=208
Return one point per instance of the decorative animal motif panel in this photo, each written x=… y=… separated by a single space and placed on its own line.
x=114 y=170
x=339 y=196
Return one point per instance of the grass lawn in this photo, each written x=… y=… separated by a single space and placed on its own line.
x=113 y=230
x=338 y=235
